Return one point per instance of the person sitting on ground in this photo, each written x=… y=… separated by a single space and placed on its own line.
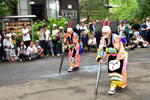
x=84 y=41
x=22 y=51
x=32 y=51
x=39 y=49
x=92 y=42
x=132 y=45
x=1 y=53
x=140 y=41
x=11 y=53
x=146 y=44
x=134 y=40
x=6 y=44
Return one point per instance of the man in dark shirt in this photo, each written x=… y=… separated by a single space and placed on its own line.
x=132 y=45
x=136 y=29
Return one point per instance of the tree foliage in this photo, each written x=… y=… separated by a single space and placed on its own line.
x=94 y=9
x=6 y=7
x=130 y=9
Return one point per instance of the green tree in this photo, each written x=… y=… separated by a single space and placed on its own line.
x=94 y=9
x=6 y=7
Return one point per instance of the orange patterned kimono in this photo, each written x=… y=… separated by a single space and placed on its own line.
x=73 y=52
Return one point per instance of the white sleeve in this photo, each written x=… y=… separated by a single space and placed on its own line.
x=25 y=47
x=90 y=41
x=94 y=40
x=18 y=48
x=86 y=29
x=4 y=44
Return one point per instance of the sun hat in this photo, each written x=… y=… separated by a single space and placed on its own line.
x=54 y=25
x=60 y=27
x=37 y=41
x=12 y=45
x=7 y=35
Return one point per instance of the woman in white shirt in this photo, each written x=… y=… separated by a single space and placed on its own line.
x=32 y=52
x=48 y=45
x=55 y=38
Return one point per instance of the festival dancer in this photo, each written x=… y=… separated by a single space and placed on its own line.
x=72 y=44
x=116 y=56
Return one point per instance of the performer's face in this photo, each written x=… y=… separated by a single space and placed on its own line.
x=106 y=34
x=69 y=31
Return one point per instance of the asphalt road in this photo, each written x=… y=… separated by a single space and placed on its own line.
x=39 y=79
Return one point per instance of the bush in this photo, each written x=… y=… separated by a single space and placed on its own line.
x=51 y=21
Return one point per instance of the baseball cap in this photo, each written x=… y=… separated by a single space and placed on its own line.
x=136 y=20
x=122 y=21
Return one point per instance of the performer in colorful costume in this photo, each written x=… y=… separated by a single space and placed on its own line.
x=116 y=56
x=72 y=43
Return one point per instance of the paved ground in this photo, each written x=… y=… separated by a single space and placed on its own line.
x=39 y=79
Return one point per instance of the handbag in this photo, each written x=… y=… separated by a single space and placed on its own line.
x=47 y=45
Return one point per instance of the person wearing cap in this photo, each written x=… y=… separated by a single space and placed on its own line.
x=6 y=44
x=136 y=29
x=61 y=35
x=55 y=37
x=122 y=29
x=13 y=37
x=41 y=38
x=48 y=42
x=1 y=53
x=11 y=53
x=26 y=34
x=39 y=49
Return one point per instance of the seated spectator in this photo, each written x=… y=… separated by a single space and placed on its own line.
x=84 y=41
x=132 y=45
x=6 y=44
x=13 y=37
x=22 y=51
x=1 y=53
x=140 y=41
x=146 y=44
x=134 y=40
x=32 y=52
x=38 y=48
x=11 y=53
x=92 y=42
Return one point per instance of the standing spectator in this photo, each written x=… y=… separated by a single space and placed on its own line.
x=48 y=41
x=12 y=53
x=144 y=30
x=61 y=35
x=93 y=27
x=148 y=26
x=26 y=34
x=130 y=31
x=136 y=29
x=126 y=25
x=14 y=37
x=84 y=28
x=38 y=48
x=32 y=52
x=55 y=38
x=41 y=38
x=6 y=44
x=92 y=42
x=3 y=35
x=122 y=29
x=140 y=41
x=84 y=40
x=1 y=53
x=22 y=51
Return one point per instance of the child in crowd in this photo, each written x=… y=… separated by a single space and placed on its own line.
x=132 y=45
x=32 y=52
x=140 y=41
x=38 y=48
x=146 y=44
x=22 y=51
x=11 y=53
x=1 y=56
x=134 y=40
